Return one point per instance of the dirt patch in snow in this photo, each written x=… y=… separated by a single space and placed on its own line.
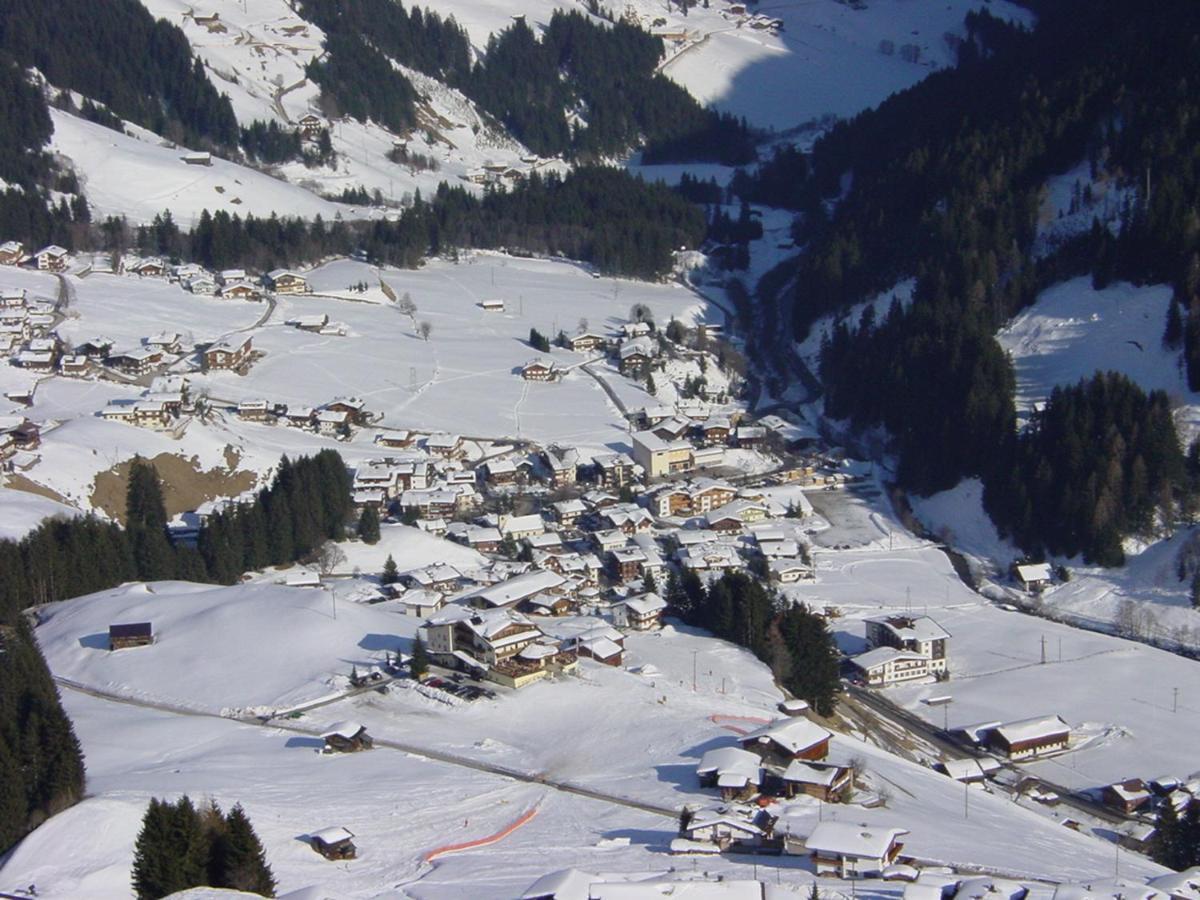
x=185 y=484
x=21 y=483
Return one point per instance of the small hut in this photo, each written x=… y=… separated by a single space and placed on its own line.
x=135 y=634
x=347 y=737
x=334 y=843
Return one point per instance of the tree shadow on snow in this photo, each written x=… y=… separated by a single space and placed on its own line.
x=850 y=644
x=720 y=740
x=373 y=643
x=681 y=776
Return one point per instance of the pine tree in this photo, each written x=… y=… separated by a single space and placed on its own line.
x=368 y=525
x=239 y=858
x=155 y=866
x=419 y=664
x=390 y=573
x=1173 y=333
x=648 y=583
x=1166 y=847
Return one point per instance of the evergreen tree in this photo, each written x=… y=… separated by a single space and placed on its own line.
x=390 y=572
x=1167 y=846
x=368 y=525
x=1173 y=333
x=1194 y=592
x=146 y=521
x=240 y=859
x=155 y=866
x=419 y=664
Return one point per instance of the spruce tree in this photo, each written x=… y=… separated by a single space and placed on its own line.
x=156 y=869
x=390 y=572
x=419 y=664
x=368 y=525
x=239 y=858
x=1166 y=847
x=1173 y=333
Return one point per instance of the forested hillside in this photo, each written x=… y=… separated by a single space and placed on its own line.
x=529 y=83
x=946 y=178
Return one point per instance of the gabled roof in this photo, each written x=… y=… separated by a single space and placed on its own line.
x=347 y=730
x=794 y=735
x=333 y=835
x=1033 y=729
x=848 y=839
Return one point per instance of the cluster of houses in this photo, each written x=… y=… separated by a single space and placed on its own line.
x=337 y=418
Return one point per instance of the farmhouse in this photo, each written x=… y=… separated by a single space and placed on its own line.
x=846 y=850
x=232 y=354
x=11 y=253
x=151 y=266
x=1034 y=577
x=787 y=739
x=253 y=410
x=347 y=737
x=448 y=446
x=586 y=342
x=135 y=362
x=285 y=281
x=51 y=259
x=539 y=370
x=1127 y=796
x=239 y=290
x=1030 y=737
x=136 y=634
x=314 y=322
x=334 y=843
x=736 y=772
x=310 y=125
x=332 y=423
x=201 y=284
x=642 y=613
x=715 y=826
x=634 y=357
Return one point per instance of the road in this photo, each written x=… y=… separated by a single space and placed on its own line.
x=429 y=753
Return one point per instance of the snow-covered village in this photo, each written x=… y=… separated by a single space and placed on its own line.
x=759 y=462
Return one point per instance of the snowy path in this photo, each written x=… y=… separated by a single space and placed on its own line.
x=428 y=753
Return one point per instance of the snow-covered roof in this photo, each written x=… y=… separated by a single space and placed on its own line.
x=518 y=588
x=849 y=839
x=731 y=760
x=565 y=884
x=345 y=729
x=881 y=656
x=1179 y=884
x=602 y=647
x=332 y=835
x=793 y=735
x=912 y=628
x=1034 y=572
x=647 y=604
x=800 y=772
x=1033 y=729
x=532 y=522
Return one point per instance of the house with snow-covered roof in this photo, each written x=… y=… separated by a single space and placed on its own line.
x=641 y=613
x=1030 y=737
x=347 y=737
x=737 y=773
x=849 y=850
x=784 y=740
x=286 y=281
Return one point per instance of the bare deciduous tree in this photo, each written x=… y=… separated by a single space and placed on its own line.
x=329 y=557
x=406 y=305
x=425 y=329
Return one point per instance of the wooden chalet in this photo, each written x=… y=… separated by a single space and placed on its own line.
x=347 y=737
x=239 y=290
x=1030 y=737
x=134 y=634
x=310 y=126
x=334 y=843
x=825 y=782
x=154 y=268
x=539 y=370
x=231 y=354
x=586 y=342
x=849 y=850
x=1127 y=796
x=285 y=281
x=11 y=253
x=789 y=739
x=51 y=259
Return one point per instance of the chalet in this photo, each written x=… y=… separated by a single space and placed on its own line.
x=444 y=579
x=615 y=469
x=285 y=281
x=197 y=158
x=642 y=613
x=347 y=737
x=788 y=571
x=1030 y=737
x=539 y=370
x=201 y=285
x=659 y=457
x=430 y=503
x=635 y=329
x=561 y=465
x=750 y=437
x=517 y=527
x=784 y=740
x=847 y=850
x=11 y=253
x=715 y=431
x=143 y=413
x=421 y=603
x=231 y=354
x=492 y=305
x=447 y=446
x=483 y=540
x=634 y=357
x=74 y=365
x=13 y=298
x=238 y=290
x=310 y=126
x=672 y=429
x=736 y=772
x=586 y=342
x=515 y=590
x=911 y=634
x=1127 y=796
x=625 y=563
x=724 y=524
x=314 y=322
x=42 y=361
x=825 y=782
x=51 y=259
x=723 y=829
x=231 y=276
x=628 y=521
x=165 y=342
x=300 y=416
x=604 y=541
x=136 y=634
x=395 y=440
x=488 y=641
x=567 y=512
x=1034 y=577
x=548 y=605
x=353 y=407
x=253 y=410
x=151 y=267
x=334 y=843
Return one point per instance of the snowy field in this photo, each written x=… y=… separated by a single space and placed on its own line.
x=466 y=377
x=1074 y=330
x=21 y=512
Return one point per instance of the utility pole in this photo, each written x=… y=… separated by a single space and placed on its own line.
x=966 y=800
x=1043 y=649
x=1174 y=699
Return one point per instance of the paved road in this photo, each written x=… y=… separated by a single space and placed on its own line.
x=429 y=753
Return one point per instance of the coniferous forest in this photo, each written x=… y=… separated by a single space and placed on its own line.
x=946 y=187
